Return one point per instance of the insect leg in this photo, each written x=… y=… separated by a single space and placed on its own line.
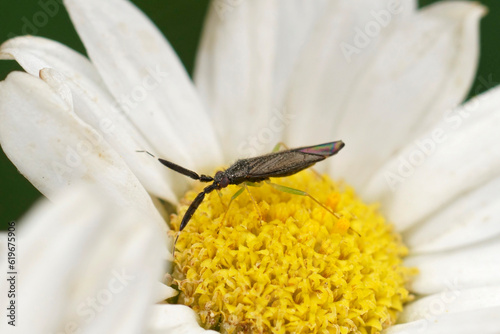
x=245 y=185
x=300 y=193
x=278 y=146
x=236 y=194
x=254 y=184
x=175 y=242
x=303 y=193
x=220 y=198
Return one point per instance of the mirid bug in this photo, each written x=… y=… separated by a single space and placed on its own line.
x=257 y=169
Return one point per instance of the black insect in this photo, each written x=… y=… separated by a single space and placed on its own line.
x=277 y=164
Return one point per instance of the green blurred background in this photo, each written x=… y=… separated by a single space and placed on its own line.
x=181 y=21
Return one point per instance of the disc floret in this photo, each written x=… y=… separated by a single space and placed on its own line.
x=281 y=263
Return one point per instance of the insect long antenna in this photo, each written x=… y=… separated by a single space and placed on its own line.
x=149 y=153
x=195 y=204
x=185 y=171
x=181 y=170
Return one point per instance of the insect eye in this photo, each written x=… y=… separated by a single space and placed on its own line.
x=224 y=182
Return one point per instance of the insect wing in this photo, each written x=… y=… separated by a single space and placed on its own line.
x=291 y=161
x=327 y=149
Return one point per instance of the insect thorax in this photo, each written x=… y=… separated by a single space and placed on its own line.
x=238 y=172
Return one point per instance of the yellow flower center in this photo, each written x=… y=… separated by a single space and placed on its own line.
x=276 y=262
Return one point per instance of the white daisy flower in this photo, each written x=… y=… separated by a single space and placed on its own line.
x=79 y=265
x=380 y=75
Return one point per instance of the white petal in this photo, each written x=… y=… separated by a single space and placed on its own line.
x=84 y=264
x=93 y=104
x=423 y=67
x=178 y=319
x=471 y=218
x=474 y=266
x=462 y=57
x=451 y=301
x=458 y=156
x=147 y=79
x=53 y=149
x=164 y=292
x=296 y=21
x=34 y=53
x=326 y=76
x=96 y=111
x=223 y=61
x=245 y=87
x=484 y=321
x=234 y=72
